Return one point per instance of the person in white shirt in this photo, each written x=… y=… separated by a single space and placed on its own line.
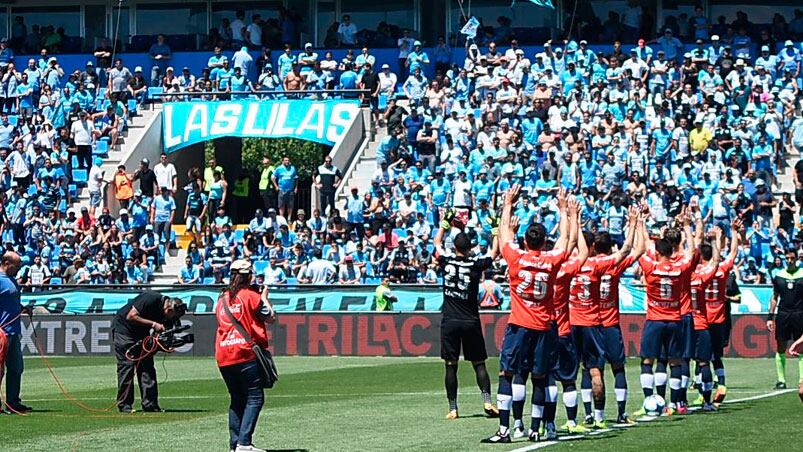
x=274 y=274
x=405 y=45
x=254 y=33
x=387 y=81
x=237 y=28
x=95 y=185
x=319 y=271
x=81 y=134
x=166 y=174
x=347 y=32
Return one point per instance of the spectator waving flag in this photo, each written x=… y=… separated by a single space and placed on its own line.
x=470 y=28
x=544 y=3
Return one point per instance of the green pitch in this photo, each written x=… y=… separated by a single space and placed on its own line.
x=370 y=404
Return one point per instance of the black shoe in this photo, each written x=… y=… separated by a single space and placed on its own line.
x=780 y=385
x=497 y=438
x=125 y=409
x=20 y=408
x=153 y=409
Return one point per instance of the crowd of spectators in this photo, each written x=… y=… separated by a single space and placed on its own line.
x=708 y=127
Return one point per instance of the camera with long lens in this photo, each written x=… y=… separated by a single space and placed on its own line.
x=174 y=337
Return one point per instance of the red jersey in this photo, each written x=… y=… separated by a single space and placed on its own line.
x=532 y=280
x=561 y=298
x=716 y=304
x=609 y=292
x=584 y=298
x=665 y=280
x=685 y=289
x=230 y=346
x=700 y=280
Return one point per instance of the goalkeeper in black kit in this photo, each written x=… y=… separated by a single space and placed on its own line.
x=460 y=325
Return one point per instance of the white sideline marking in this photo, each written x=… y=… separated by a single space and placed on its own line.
x=597 y=432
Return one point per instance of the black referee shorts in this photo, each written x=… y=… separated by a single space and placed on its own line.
x=788 y=326
x=457 y=334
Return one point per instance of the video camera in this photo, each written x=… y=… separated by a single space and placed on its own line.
x=173 y=338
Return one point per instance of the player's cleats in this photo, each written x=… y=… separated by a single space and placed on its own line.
x=699 y=401
x=533 y=437
x=624 y=419
x=452 y=415
x=709 y=407
x=497 y=438
x=720 y=395
x=600 y=425
x=551 y=433
x=519 y=433
x=589 y=420
x=491 y=410
x=780 y=385
x=682 y=410
x=574 y=428
x=640 y=412
x=668 y=411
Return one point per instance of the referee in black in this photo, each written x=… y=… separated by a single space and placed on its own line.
x=460 y=325
x=787 y=324
x=148 y=311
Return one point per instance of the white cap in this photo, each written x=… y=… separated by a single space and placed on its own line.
x=788 y=43
x=385 y=66
x=765 y=48
x=123 y=211
x=138 y=69
x=309 y=44
x=715 y=38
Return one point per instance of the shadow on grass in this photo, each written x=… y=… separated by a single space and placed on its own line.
x=185 y=410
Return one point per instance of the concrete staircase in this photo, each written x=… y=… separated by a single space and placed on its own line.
x=360 y=173
x=786 y=182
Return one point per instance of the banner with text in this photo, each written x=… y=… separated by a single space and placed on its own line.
x=343 y=334
x=325 y=121
x=755 y=299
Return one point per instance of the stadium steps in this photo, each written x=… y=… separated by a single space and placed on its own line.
x=360 y=176
x=785 y=182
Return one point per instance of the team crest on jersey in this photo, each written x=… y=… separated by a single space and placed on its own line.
x=790 y=285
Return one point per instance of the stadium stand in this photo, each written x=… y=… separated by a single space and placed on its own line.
x=713 y=121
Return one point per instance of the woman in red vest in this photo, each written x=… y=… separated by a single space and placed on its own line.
x=235 y=358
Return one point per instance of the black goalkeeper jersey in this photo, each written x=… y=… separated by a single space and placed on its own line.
x=461 y=282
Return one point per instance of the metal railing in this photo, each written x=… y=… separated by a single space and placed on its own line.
x=293 y=93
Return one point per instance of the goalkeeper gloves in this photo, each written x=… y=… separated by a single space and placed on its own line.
x=446 y=225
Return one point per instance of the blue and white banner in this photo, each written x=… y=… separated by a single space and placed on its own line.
x=755 y=299
x=470 y=28
x=321 y=121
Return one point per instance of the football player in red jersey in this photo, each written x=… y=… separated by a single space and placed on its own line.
x=531 y=334
x=665 y=278
x=584 y=303
x=717 y=307
x=702 y=278
x=608 y=294
x=566 y=360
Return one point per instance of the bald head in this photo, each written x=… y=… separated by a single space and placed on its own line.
x=10 y=263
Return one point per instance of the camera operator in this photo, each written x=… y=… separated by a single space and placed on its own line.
x=235 y=358
x=133 y=322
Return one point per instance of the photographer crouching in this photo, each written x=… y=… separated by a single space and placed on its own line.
x=131 y=326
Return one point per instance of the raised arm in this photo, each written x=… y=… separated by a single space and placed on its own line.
x=582 y=246
x=632 y=226
x=574 y=227
x=563 y=226
x=506 y=232
x=736 y=229
x=445 y=225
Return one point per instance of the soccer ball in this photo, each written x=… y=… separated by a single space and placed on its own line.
x=654 y=405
